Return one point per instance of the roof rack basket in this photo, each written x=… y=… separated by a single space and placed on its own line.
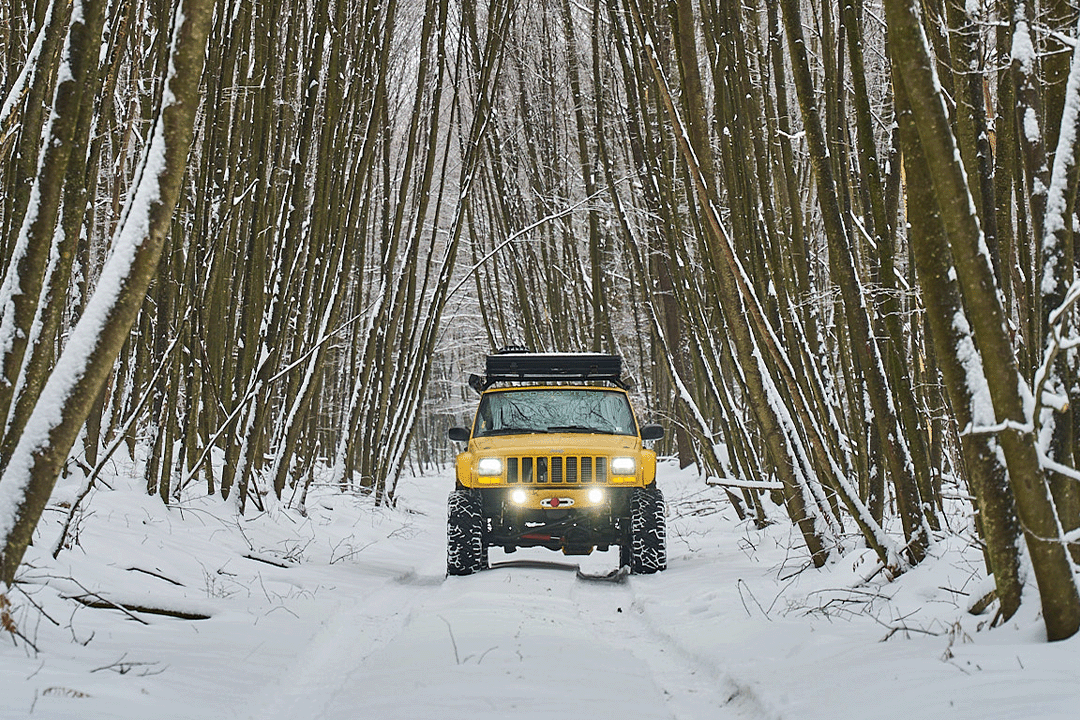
x=547 y=367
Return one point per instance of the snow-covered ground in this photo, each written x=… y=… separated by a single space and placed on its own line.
x=361 y=622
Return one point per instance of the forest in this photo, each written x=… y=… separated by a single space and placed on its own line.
x=258 y=243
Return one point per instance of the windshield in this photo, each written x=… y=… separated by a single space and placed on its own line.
x=518 y=412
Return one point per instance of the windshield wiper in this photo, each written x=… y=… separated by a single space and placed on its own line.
x=578 y=429
x=512 y=431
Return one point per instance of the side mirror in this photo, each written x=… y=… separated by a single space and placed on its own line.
x=462 y=434
x=651 y=432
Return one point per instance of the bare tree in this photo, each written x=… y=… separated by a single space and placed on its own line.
x=83 y=368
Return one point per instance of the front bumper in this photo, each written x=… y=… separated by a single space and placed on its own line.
x=556 y=518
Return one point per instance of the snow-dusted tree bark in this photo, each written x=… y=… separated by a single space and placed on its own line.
x=87 y=359
x=35 y=244
x=1010 y=394
x=962 y=369
x=970 y=114
x=601 y=330
x=79 y=186
x=902 y=468
x=791 y=195
x=735 y=299
x=1058 y=375
x=23 y=117
x=1030 y=116
x=1059 y=18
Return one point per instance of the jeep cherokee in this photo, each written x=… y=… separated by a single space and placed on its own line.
x=555 y=459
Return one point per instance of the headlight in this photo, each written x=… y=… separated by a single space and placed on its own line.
x=489 y=467
x=595 y=495
x=623 y=466
x=519 y=497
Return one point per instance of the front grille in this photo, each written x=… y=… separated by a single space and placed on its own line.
x=557 y=469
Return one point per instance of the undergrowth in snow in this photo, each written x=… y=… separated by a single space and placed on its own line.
x=346 y=612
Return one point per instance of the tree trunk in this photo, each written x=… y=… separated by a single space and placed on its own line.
x=900 y=463
x=1009 y=392
x=84 y=366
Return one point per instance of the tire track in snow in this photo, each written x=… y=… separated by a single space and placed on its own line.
x=525 y=639
x=507 y=643
x=694 y=687
x=329 y=665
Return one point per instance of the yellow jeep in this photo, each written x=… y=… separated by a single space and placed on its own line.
x=555 y=459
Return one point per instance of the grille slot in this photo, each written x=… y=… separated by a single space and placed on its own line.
x=555 y=469
x=562 y=469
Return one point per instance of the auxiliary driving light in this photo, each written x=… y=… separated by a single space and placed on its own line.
x=489 y=467
x=623 y=466
x=595 y=495
x=519 y=497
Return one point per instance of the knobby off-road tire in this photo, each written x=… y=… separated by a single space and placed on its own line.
x=465 y=551
x=648 y=532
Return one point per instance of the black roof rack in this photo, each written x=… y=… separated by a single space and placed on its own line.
x=515 y=366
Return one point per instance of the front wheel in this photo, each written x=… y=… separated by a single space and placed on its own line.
x=646 y=551
x=465 y=551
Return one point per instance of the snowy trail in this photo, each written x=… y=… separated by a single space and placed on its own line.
x=360 y=621
x=526 y=639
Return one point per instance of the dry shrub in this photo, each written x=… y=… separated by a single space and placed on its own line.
x=6 y=621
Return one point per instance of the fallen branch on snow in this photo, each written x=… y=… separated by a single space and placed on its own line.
x=99 y=602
